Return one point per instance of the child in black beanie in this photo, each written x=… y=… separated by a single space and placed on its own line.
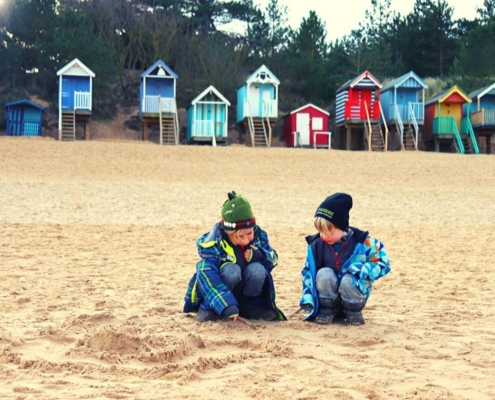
x=341 y=265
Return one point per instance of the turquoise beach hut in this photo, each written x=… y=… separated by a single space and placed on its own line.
x=207 y=118
x=24 y=118
x=257 y=106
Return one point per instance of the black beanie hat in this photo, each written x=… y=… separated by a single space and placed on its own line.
x=335 y=208
x=237 y=213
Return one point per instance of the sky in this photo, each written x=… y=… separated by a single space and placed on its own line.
x=342 y=16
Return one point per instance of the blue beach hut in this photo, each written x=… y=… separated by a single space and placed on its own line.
x=207 y=117
x=24 y=118
x=257 y=106
x=157 y=102
x=75 y=93
x=403 y=104
x=481 y=113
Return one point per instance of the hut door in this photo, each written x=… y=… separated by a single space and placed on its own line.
x=366 y=97
x=67 y=94
x=254 y=101
x=302 y=127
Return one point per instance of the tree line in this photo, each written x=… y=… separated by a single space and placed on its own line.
x=118 y=38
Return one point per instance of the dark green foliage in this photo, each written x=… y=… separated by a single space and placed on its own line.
x=119 y=39
x=430 y=35
x=308 y=57
x=473 y=75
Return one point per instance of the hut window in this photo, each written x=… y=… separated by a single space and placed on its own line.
x=317 y=123
x=262 y=76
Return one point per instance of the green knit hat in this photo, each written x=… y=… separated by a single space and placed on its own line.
x=237 y=213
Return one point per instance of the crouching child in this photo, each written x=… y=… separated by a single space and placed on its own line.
x=233 y=277
x=342 y=263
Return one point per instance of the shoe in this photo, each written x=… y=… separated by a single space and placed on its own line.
x=329 y=308
x=206 y=315
x=265 y=314
x=325 y=316
x=353 y=318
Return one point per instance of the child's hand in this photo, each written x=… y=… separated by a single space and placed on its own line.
x=231 y=312
x=248 y=254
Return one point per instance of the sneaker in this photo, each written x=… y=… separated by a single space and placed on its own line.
x=265 y=314
x=206 y=315
x=354 y=318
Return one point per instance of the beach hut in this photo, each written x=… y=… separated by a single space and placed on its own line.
x=207 y=118
x=403 y=104
x=75 y=93
x=257 y=106
x=357 y=115
x=307 y=126
x=443 y=121
x=157 y=102
x=24 y=118
x=481 y=113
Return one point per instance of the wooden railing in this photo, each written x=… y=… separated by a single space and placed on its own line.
x=448 y=126
x=82 y=101
x=386 y=127
x=483 y=117
x=369 y=125
x=412 y=118
x=155 y=104
x=400 y=125
x=416 y=111
x=251 y=130
x=467 y=129
x=269 y=109
x=203 y=128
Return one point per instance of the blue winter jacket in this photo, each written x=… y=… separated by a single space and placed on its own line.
x=364 y=258
x=206 y=287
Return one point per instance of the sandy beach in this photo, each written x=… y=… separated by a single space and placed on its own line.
x=97 y=246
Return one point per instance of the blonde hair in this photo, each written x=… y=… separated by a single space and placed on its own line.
x=236 y=232
x=324 y=225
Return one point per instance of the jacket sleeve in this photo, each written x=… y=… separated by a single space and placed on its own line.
x=308 y=281
x=213 y=290
x=370 y=264
x=264 y=253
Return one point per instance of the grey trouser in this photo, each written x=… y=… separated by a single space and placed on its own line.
x=328 y=288
x=252 y=276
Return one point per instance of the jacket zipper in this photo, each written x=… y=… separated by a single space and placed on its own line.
x=337 y=256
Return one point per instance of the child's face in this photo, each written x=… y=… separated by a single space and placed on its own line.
x=242 y=237
x=332 y=237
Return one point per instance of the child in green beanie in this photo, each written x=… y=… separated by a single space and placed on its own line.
x=234 y=277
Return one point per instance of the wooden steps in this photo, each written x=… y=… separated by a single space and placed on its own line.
x=68 y=132
x=466 y=141
x=377 y=142
x=409 y=142
x=168 y=131
x=260 y=140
